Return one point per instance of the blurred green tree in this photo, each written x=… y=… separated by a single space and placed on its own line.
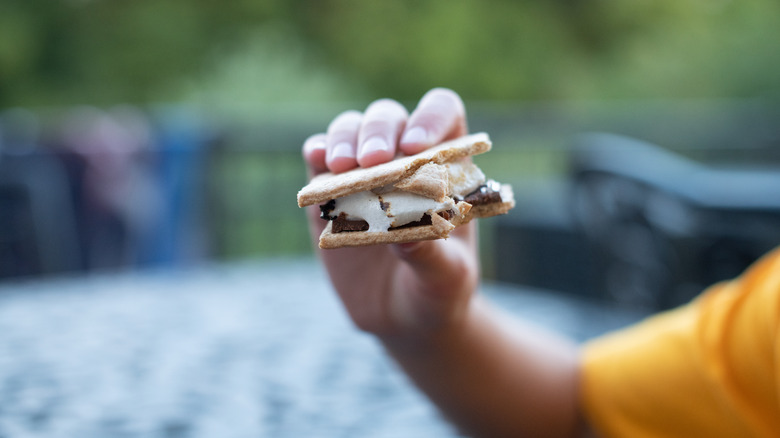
x=505 y=49
x=96 y=51
x=99 y=51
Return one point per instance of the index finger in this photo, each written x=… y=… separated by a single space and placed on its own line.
x=379 y=132
x=439 y=116
x=314 y=149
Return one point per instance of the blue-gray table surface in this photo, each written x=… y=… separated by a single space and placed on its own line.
x=254 y=349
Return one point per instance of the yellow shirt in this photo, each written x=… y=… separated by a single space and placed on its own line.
x=708 y=369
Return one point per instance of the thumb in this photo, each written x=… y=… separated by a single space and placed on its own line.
x=437 y=279
x=440 y=268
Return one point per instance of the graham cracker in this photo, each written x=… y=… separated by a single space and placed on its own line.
x=507 y=203
x=327 y=186
x=431 y=181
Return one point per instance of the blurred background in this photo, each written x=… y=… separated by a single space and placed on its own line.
x=642 y=138
x=157 y=133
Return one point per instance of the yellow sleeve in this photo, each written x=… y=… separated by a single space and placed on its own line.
x=711 y=368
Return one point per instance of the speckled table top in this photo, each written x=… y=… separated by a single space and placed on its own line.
x=255 y=349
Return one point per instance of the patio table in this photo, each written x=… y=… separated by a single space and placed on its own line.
x=252 y=349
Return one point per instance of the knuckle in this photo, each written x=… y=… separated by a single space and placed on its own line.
x=338 y=135
x=444 y=97
x=442 y=91
x=363 y=324
x=376 y=126
x=314 y=140
x=386 y=108
x=366 y=323
x=433 y=121
x=345 y=119
x=349 y=114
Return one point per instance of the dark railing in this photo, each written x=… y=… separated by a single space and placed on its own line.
x=224 y=186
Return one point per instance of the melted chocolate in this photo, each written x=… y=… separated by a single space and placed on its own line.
x=326 y=209
x=485 y=194
x=341 y=224
x=425 y=220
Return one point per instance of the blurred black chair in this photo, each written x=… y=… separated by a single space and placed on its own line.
x=37 y=226
x=663 y=227
x=638 y=225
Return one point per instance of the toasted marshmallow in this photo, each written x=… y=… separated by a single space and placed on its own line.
x=388 y=207
x=405 y=207
x=464 y=177
x=400 y=208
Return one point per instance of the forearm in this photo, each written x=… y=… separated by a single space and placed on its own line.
x=494 y=379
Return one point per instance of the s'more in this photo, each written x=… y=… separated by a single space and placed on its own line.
x=416 y=197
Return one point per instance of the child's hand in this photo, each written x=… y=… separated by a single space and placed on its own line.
x=489 y=377
x=407 y=291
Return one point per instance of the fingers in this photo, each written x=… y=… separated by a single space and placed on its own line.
x=341 y=141
x=439 y=116
x=440 y=266
x=314 y=153
x=354 y=138
x=379 y=132
x=373 y=138
x=437 y=278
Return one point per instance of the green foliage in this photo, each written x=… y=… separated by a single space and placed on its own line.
x=552 y=50
x=102 y=51
x=271 y=65
x=496 y=49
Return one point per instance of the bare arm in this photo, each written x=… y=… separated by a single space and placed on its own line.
x=489 y=375
x=495 y=377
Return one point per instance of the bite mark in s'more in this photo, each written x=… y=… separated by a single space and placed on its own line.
x=416 y=197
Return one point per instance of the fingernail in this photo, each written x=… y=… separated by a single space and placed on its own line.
x=316 y=145
x=374 y=144
x=342 y=150
x=415 y=135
